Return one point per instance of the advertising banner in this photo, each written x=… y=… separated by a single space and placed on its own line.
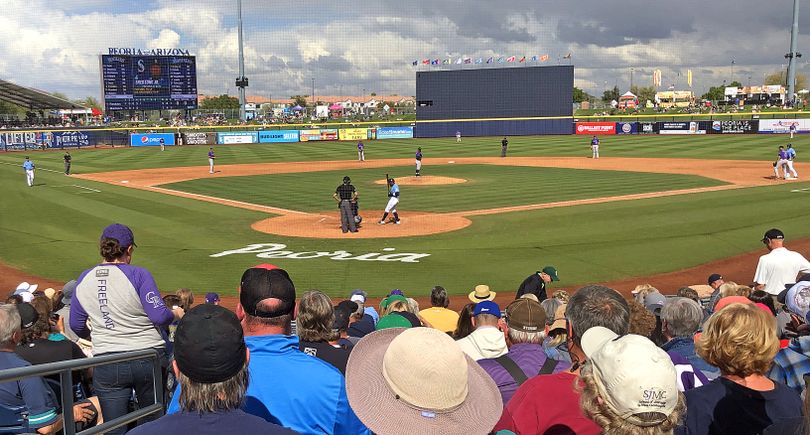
x=646 y=128
x=70 y=139
x=199 y=138
x=783 y=125
x=233 y=137
x=150 y=139
x=318 y=134
x=627 y=128
x=743 y=126
x=27 y=140
x=596 y=128
x=691 y=127
x=395 y=133
x=269 y=136
x=353 y=134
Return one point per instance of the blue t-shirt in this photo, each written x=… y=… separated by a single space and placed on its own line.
x=725 y=407
x=32 y=393
x=216 y=423
x=395 y=190
x=28 y=165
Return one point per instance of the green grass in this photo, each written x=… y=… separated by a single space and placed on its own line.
x=52 y=229
x=488 y=186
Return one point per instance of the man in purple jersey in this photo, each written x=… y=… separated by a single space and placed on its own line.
x=125 y=312
x=781 y=162
x=361 y=151
x=211 y=158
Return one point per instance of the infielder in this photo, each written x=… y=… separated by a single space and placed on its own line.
x=792 y=129
x=595 y=147
x=361 y=151
x=781 y=162
x=504 y=144
x=29 y=167
x=418 y=161
x=393 y=200
x=791 y=156
x=211 y=158
x=458 y=136
x=162 y=145
x=67 y=159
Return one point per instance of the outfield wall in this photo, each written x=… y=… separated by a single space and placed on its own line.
x=24 y=140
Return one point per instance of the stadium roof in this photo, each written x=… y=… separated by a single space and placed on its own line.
x=33 y=99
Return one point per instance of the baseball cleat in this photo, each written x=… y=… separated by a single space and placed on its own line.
x=397 y=222
x=381 y=223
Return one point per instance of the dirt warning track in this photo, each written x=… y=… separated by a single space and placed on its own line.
x=738 y=174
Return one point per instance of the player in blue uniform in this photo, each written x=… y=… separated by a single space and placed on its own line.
x=791 y=156
x=393 y=200
x=29 y=167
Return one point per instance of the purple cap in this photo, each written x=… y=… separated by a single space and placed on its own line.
x=119 y=232
x=212 y=297
x=396 y=291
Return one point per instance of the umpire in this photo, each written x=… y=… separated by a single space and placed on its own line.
x=345 y=194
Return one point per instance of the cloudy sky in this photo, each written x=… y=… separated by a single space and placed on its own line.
x=353 y=46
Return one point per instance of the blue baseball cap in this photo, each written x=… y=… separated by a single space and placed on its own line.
x=119 y=232
x=487 y=307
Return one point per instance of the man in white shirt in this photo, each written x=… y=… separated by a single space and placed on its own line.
x=779 y=266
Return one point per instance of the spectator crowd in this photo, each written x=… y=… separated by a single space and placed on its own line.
x=730 y=361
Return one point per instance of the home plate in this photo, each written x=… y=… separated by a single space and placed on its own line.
x=451 y=161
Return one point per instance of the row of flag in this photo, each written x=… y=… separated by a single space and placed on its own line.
x=480 y=60
x=656 y=78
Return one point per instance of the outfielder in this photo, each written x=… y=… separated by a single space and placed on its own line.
x=361 y=151
x=791 y=156
x=792 y=129
x=418 y=161
x=393 y=200
x=595 y=147
x=458 y=136
x=211 y=158
x=29 y=167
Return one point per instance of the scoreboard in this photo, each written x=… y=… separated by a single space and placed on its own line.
x=148 y=82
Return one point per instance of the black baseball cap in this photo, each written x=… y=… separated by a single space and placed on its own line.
x=209 y=345
x=343 y=311
x=714 y=277
x=773 y=234
x=28 y=315
x=266 y=281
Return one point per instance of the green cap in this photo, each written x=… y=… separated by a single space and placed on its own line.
x=552 y=272
x=393 y=321
x=387 y=301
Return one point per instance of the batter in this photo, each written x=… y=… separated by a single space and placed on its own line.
x=418 y=161
x=393 y=200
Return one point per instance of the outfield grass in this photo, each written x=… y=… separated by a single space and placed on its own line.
x=52 y=229
x=487 y=187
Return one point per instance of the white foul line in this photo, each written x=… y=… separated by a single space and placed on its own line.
x=85 y=188
x=801 y=190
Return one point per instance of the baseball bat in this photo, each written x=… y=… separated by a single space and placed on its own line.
x=386 y=183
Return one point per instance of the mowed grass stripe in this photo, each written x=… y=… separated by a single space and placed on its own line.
x=488 y=186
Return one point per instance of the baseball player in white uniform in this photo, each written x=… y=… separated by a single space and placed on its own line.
x=393 y=200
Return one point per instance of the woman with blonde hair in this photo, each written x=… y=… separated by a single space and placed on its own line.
x=740 y=340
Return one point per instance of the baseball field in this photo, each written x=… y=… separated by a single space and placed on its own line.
x=650 y=205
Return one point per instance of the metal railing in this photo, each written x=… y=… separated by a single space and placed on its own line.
x=64 y=369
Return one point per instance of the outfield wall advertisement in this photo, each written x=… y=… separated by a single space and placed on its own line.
x=595 y=128
x=272 y=136
x=742 y=126
x=627 y=128
x=151 y=139
x=318 y=134
x=199 y=138
x=354 y=134
x=234 y=137
x=691 y=127
x=395 y=133
x=783 y=125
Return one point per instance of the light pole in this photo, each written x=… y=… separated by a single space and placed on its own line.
x=794 y=36
x=313 y=91
x=241 y=81
x=732 y=70
x=632 y=70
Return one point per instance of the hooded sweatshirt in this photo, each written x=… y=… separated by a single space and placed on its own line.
x=484 y=343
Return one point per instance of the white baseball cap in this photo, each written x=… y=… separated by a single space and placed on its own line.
x=633 y=375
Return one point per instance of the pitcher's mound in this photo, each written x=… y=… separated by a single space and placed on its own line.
x=426 y=180
x=327 y=225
